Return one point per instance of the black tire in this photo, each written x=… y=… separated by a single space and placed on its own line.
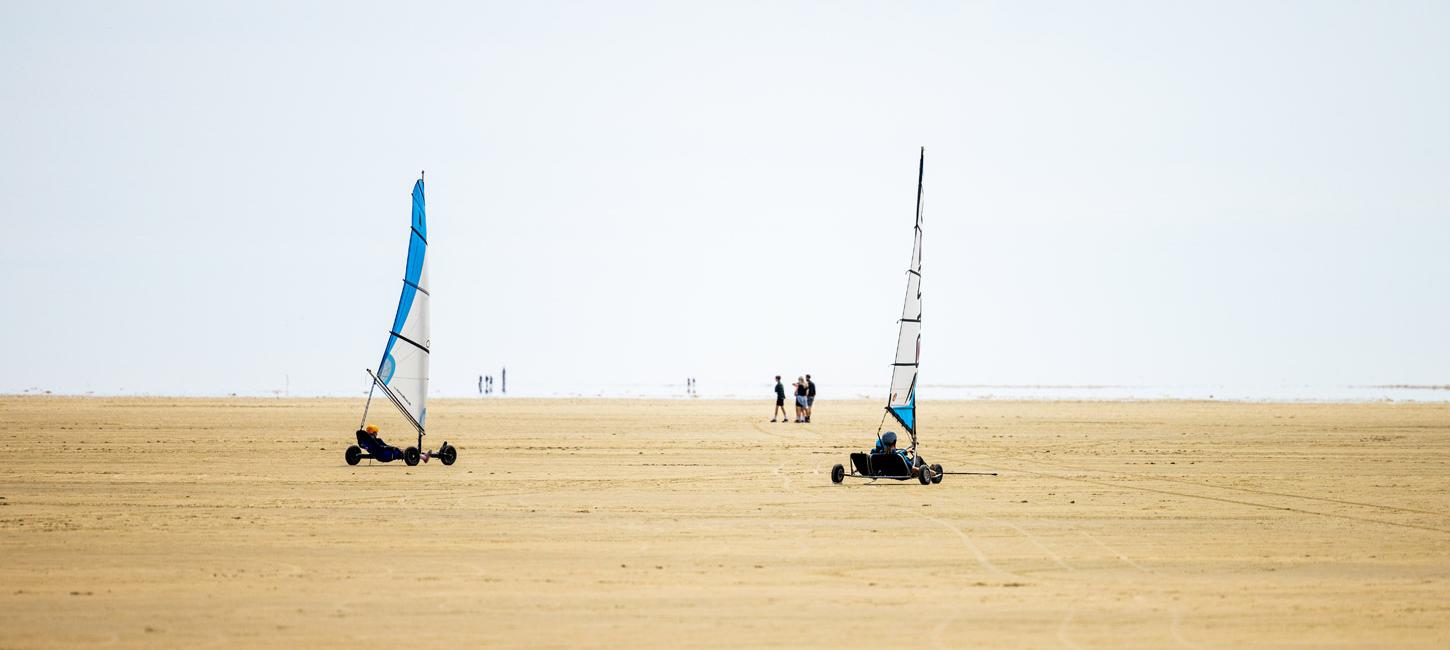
x=924 y=475
x=411 y=456
x=353 y=455
x=838 y=473
x=447 y=454
x=936 y=474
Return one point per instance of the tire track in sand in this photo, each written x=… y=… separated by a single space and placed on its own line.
x=1116 y=553
x=1215 y=486
x=1062 y=629
x=1057 y=559
x=1177 y=634
x=971 y=546
x=940 y=628
x=1241 y=502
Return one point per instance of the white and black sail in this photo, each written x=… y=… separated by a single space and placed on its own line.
x=902 y=403
x=403 y=371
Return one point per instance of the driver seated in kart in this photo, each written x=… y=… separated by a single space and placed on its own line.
x=886 y=444
x=369 y=440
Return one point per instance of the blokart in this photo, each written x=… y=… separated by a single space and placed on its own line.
x=885 y=462
x=370 y=447
x=888 y=465
x=402 y=373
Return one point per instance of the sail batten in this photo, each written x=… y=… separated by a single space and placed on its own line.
x=902 y=401
x=403 y=370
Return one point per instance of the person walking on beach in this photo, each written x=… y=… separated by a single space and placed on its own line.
x=800 y=399
x=779 y=400
x=810 y=397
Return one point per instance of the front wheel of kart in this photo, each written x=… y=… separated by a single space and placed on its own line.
x=838 y=473
x=936 y=474
x=447 y=454
x=924 y=475
x=353 y=455
x=411 y=456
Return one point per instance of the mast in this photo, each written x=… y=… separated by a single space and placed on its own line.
x=902 y=402
x=916 y=253
x=403 y=370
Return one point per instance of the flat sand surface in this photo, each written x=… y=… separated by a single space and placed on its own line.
x=613 y=523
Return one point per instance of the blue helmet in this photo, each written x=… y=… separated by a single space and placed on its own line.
x=889 y=438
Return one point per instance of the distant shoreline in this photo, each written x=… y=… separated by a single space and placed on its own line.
x=1430 y=398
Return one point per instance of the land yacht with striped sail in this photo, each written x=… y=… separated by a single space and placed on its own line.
x=886 y=461
x=402 y=373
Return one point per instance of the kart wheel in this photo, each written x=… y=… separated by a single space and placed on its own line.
x=411 y=456
x=936 y=474
x=924 y=475
x=447 y=454
x=353 y=455
x=838 y=473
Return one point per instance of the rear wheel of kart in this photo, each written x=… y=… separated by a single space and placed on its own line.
x=353 y=455
x=838 y=473
x=936 y=474
x=411 y=456
x=447 y=454
x=924 y=475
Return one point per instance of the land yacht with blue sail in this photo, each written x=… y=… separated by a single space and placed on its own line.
x=402 y=372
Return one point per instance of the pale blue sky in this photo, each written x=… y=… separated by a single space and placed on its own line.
x=207 y=197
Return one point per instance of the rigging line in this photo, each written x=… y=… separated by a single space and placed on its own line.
x=369 y=403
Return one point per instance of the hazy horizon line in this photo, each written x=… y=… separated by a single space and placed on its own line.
x=1227 y=392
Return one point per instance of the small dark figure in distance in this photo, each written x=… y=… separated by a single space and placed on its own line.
x=810 y=397
x=779 y=400
x=800 y=399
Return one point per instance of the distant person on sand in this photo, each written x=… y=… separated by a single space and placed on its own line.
x=779 y=400
x=800 y=399
x=810 y=397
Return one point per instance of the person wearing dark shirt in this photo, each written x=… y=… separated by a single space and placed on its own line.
x=779 y=400
x=800 y=399
x=810 y=397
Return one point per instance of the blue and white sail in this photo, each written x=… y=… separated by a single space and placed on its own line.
x=902 y=403
x=403 y=370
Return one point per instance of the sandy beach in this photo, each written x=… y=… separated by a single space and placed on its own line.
x=611 y=523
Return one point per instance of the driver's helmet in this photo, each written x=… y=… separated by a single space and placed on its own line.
x=373 y=429
x=888 y=438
